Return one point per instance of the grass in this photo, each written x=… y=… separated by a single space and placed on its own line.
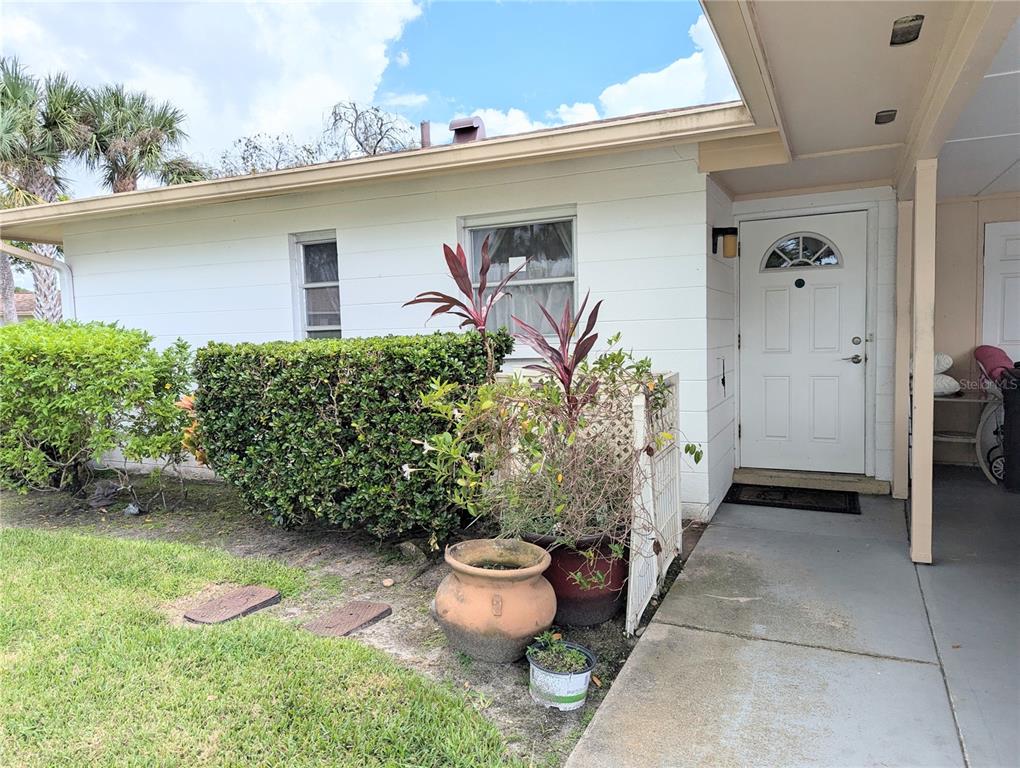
x=92 y=673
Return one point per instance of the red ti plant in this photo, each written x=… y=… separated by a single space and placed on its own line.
x=474 y=307
x=560 y=362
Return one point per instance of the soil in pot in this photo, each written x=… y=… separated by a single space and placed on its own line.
x=581 y=604
x=495 y=599
x=560 y=673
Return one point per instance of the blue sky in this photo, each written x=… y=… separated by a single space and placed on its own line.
x=247 y=67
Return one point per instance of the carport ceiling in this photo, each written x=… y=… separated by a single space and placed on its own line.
x=982 y=156
x=832 y=69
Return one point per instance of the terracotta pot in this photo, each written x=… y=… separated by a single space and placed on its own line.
x=576 y=606
x=492 y=613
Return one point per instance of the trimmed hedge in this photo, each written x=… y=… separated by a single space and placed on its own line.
x=326 y=428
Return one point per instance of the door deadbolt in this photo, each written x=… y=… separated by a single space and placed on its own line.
x=856 y=340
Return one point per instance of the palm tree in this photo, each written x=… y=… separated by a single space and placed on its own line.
x=40 y=124
x=131 y=136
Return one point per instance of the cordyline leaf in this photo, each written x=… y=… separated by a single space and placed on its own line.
x=483 y=273
x=534 y=339
x=433 y=297
x=553 y=324
x=591 y=318
x=441 y=309
x=475 y=310
x=493 y=298
x=540 y=368
x=583 y=347
x=457 y=264
x=560 y=363
x=565 y=329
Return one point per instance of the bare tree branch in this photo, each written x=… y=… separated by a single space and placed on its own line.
x=368 y=130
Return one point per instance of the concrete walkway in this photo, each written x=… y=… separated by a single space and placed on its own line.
x=799 y=638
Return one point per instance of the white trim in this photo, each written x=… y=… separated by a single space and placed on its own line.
x=520 y=216
x=867 y=200
x=318 y=236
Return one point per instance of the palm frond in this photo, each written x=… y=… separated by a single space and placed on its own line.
x=182 y=170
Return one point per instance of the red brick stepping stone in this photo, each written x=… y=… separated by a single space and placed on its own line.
x=233 y=604
x=348 y=617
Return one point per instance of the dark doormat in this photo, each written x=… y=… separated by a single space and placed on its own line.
x=845 y=502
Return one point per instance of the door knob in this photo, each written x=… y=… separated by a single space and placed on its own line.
x=855 y=359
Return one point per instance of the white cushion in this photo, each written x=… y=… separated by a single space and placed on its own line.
x=943 y=362
x=945 y=385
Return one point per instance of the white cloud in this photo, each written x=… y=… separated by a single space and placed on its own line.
x=311 y=70
x=402 y=59
x=719 y=85
x=581 y=112
x=403 y=100
x=701 y=78
x=499 y=122
x=440 y=133
x=26 y=39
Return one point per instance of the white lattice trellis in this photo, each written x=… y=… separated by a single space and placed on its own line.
x=657 y=530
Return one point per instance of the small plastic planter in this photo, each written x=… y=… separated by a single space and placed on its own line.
x=563 y=690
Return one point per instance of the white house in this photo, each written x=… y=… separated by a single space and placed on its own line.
x=794 y=356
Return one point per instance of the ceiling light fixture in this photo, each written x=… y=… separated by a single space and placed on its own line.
x=906 y=29
x=885 y=116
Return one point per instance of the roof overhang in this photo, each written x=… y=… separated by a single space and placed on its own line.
x=46 y=223
x=818 y=72
x=733 y=23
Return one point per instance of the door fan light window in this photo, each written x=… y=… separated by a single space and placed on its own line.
x=801 y=249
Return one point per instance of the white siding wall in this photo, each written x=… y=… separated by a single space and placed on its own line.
x=222 y=272
x=880 y=203
x=721 y=354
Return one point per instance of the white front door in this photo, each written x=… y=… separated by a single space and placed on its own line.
x=802 y=342
x=1002 y=287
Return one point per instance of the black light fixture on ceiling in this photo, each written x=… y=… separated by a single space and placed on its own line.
x=884 y=116
x=906 y=29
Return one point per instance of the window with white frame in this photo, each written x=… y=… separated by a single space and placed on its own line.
x=317 y=283
x=548 y=279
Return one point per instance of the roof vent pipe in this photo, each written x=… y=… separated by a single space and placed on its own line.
x=426 y=134
x=467 y=129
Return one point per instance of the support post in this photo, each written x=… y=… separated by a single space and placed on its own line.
x=904 y=336
x=923 y=403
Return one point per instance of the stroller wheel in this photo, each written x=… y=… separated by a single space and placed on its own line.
x=997 y=464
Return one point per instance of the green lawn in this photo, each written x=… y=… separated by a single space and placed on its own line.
x=92 y=673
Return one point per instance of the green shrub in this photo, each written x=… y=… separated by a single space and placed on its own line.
x=326 y=428
x=72 y=392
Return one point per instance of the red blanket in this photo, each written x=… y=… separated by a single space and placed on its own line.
x=993 y=360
